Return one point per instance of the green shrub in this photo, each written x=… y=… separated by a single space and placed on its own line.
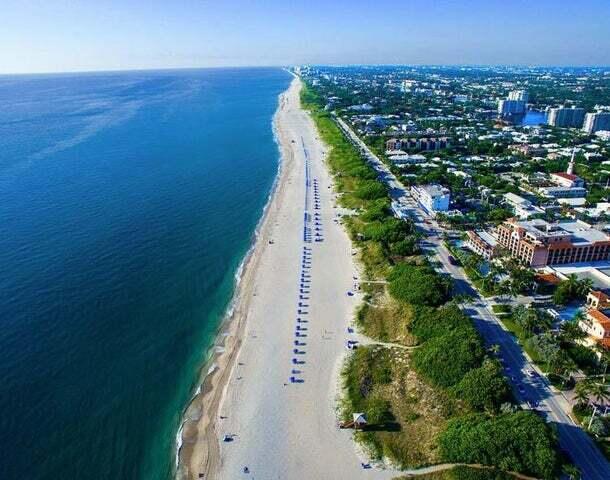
x=418 y=285
x=446 y=359
x=429 y=323
x=519 y=442
x=484 y=388
x=371 y=190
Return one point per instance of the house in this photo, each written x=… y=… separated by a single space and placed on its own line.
x=596 y=324
x=598 y=300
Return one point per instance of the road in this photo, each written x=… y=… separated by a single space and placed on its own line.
x=529 y=385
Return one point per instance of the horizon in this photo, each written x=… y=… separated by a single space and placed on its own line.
x=73 y=36
x=323 y=65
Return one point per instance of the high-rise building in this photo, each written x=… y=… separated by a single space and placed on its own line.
x=511 y=107
x=519 y=95
x=596 y=121
x=514 y=105
x=566 y=117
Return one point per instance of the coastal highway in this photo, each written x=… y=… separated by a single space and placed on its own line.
x=529 y=385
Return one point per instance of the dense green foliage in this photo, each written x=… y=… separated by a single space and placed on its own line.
x=447 y=358
x=516 y=442
x=429 y=323
x=449 y=373
x=484 y=388
x=418 y=285
x=462 y=472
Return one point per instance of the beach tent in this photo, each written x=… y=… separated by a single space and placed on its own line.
x=359 y=420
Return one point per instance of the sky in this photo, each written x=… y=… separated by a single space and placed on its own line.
x=84 y=35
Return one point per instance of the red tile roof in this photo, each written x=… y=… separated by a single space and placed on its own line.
x=568 y=176
x=600 y=317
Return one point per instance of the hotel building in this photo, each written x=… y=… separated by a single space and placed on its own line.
x=539 y=243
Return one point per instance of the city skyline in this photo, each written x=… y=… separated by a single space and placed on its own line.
x=85 y=36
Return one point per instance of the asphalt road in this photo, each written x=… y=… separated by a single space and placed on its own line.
x=529 y=385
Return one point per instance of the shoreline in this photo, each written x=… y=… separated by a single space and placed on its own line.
x=196 y=443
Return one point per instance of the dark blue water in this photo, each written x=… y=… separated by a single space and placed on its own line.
x=127 y=201
x=533 y=118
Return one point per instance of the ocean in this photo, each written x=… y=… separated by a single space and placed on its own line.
x=127 y=203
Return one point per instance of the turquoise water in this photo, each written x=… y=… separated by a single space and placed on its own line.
x=127 y=202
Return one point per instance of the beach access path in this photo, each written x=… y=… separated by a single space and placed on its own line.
x=281 y=427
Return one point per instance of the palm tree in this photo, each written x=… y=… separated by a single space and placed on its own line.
x=572 y=283
x=581 y=392
x=600 y=392
x=571 y=332
x=584 y=287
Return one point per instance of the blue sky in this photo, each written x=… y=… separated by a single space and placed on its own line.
x=77 y=35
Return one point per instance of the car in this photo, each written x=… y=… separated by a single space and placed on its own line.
x=452 y=260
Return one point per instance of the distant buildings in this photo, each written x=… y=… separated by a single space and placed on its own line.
x=508 y=108
x=596 y=121
x=566 y=117
x=519 y=96
x=401 y=158
x=539 y=243
x=432 y=198
x=417 y=144
x=568 y=184
x=514 y=105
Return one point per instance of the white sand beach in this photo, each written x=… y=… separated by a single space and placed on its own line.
x=280 y=429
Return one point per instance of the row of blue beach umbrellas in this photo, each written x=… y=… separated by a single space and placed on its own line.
x=305 y=278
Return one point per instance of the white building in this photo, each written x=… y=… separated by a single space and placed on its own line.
x=596 y=121
x=432 y=198
x=519 y=95
x=402 y=158
x=400 y=210
x=524 y=209
x=566 y=117
x=563 y=192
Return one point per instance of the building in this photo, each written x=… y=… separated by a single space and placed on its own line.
x=539 y=243
x=519 y=96
x=482 y=243
x=417 y=144
x=596 y=324
x=563 y=192
x=596 y=121
x=568 y=180
x=400 y=210
x=528 y=150
x=566 y=117
x=514 y=105
x=508 y=108
x=406 y=159
x=598 y=300
x=432 y=198
x=522 y=207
